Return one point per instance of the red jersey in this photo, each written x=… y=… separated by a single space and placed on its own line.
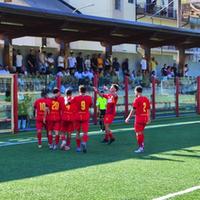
x=54 y=105
x=39 y=106
x=83 y=104
x=141 y=105
x=111 y=103
x=68 y=108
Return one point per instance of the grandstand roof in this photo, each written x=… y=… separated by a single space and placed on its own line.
x=56 y=19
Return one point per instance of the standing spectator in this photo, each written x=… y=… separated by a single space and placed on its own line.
x=42 y=62
x=51 y=63
x=94 y=63
x=31 y=62
x=186 y=69
x=143 y=64
x=153 y=65
x=100 y=63
x=87 y=63
x=71 y=61
x=79 y=62
x=164 y=70
x=116 y=66
x=19 y=62
x=108 y=63
x=125 y=67
x=61 y=61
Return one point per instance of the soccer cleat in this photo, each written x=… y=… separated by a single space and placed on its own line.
x=39 y=146
x=111 y=141
x=67 y=148
x=140 y=150
x=55 y=147
x=62 y=146
x=51 y=146
x=78 y=149
x=104 y=141
x=84 y=147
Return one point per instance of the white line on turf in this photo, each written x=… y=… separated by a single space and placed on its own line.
x=192 y=189
x=31 y=140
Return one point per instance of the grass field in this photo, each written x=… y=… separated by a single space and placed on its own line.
x=171 y=163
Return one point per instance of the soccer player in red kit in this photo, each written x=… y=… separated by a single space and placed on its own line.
x=141 y=109
x=112 y=99
x=68 y=111
x=39 y=114
x=53 y=118
x=83 y=103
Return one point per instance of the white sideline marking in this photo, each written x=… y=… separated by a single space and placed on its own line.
x=31 y=140
x=192 y=189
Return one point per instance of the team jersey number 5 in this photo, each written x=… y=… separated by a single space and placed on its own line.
x=55 y=105
x=83 y=105
x=144 y=107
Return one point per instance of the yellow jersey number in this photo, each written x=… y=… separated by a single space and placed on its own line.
x=42 y=106
x=83 y=106
x=144 y=107
x=55 y=105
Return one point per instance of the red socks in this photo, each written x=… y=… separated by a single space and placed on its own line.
x=57 y=138
x=50 y=139
x=68 y=140
x=140 y=139
x=39 y=136
x=110 y=135
x=78 y=142
x=85 y=138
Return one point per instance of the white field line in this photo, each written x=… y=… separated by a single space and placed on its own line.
x=192 y=189
x=23 y=141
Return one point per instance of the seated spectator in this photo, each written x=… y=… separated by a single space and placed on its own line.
x=87 y=74
x=4 y=70
x=164 y=70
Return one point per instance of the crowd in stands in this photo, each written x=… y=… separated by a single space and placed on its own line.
x=79 y=69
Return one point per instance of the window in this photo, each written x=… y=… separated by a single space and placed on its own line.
x=130 y=1
x=117 y=4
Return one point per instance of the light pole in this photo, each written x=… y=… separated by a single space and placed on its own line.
x=82 y=7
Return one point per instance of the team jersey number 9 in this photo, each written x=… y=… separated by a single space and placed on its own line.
x=144 y=107
x=55 y=105
x=83 y=106
x=42 y=106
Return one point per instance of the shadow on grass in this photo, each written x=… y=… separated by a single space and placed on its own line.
x=24 y=161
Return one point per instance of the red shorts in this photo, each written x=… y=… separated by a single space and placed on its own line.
x=53 y=126
x=39 y=124
x=84 y=125
x=108 y=119
x=139 y=127
x=67 y=126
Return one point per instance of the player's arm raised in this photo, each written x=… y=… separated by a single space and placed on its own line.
x=97 y=91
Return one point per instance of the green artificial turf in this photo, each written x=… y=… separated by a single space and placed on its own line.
x=170 y=163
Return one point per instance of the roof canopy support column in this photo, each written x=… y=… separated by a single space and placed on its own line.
x=7 y=52
x=65 y=48
x=147 y=54
x=181 y=60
